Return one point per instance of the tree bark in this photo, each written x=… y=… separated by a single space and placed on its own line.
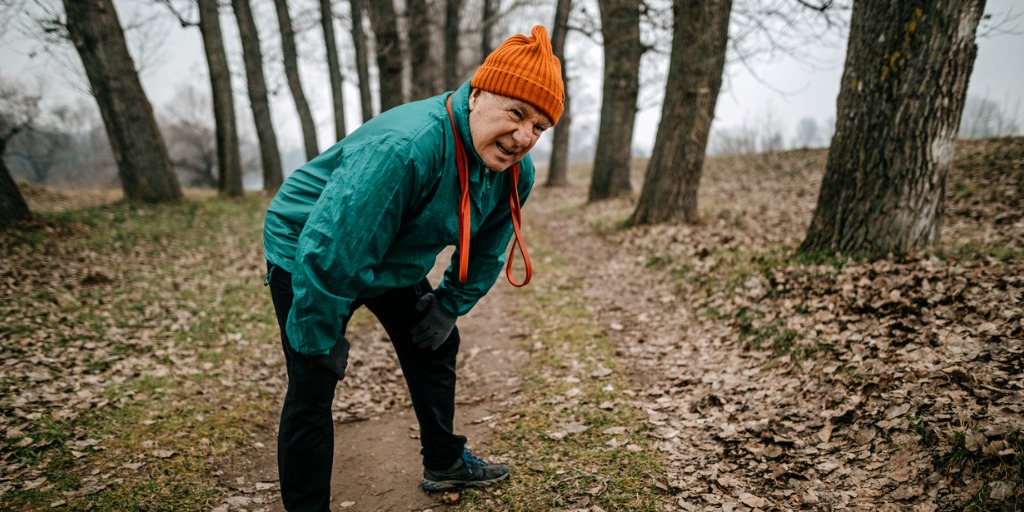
x=362 y=58
x=333 y=68
x=270 y=155
x=291 y=71
x=389 y=53
x=558 y=168
x=13 y=207
x=139 y=150
x=452 y=78
x=903 y=90
x=229 y=161
x=490 y=12
x=620 y=28
x=425 y=78
x=699 y=42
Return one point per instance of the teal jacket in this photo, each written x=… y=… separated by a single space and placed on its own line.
x=373 y=212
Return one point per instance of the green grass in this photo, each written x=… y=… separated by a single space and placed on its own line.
x=561 y=474
x=1002 y=253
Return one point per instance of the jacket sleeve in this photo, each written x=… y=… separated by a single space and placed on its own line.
x=486 y=255
x=348 y=231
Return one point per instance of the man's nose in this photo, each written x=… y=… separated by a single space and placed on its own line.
x=523 y=136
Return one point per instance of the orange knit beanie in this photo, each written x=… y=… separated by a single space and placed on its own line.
x=525 y=68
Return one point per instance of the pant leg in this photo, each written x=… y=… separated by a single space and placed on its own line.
x=305 y=440
x=429 y=374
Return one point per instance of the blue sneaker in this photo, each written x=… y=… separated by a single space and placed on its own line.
x=468 y=471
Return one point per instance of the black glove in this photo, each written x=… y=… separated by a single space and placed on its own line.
x=435 y=326
x=334 y=361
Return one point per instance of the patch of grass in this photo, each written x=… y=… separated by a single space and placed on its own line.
x=1002 y=469
x=820 y=257
x=195 y=435
x=610 y=225
x=759 y=334
x=965 y=190
x=587 y=468
x=1002 y=253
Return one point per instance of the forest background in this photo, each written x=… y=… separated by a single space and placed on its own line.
x=814 y=328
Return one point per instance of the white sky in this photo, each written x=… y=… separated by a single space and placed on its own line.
x=783 y=88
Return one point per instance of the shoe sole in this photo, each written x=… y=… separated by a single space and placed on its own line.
x=454 y=485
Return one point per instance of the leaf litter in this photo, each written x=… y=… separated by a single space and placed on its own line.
x=766 y=383
x=773 y=383
x=133 y=342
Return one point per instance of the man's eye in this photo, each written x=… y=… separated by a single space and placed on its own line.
x=538 y=129
x=516 y=114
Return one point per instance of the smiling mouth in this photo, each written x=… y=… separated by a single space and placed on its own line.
x=505 y=150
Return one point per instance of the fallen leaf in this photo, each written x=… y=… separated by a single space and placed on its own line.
x=752 y=501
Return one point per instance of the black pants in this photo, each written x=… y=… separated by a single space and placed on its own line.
x=305 y=442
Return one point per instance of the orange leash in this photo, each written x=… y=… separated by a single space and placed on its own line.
x=462 y=162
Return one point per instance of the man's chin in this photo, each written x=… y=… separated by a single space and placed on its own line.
x=501 y=166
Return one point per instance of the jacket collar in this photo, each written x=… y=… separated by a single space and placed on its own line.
x=460 y=109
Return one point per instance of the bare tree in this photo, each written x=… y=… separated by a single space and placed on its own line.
x=425 y=78
x=389 y=53
x=984 y=118
x=452 y=11
x=903 y=90
x=252 y=54
x=291 y=71
x=17 y=113
x=333 y=68
x=490 y=13
x=808 y=134
x=558 y=169
x=191 y=136
x=359 y=41
x=139 y=150
x=694 y=79
x=620 y=28
x=13 y=207
x=229 y=161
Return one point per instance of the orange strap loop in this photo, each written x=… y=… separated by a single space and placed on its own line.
x=462 y=162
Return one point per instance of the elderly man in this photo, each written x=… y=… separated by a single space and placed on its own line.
x=362 y=224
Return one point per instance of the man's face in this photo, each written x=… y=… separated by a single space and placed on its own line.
x=503 y=129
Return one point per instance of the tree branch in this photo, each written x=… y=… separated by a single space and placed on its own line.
x=185 y=23
x=824 y=6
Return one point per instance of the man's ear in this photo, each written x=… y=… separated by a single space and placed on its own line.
x=474 y=96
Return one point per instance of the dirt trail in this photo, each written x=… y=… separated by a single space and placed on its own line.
x=377 y=465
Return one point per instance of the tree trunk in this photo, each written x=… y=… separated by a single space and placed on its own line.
x=229 y=161
x=424 y=66
x=291 y=71
x=903 y=91
x=270 y=155
x=333 y=68
x=12 y=204
x=699 y=44
x=362 y=58
x=139 y=150
x=620 y=28
x=452 y=78
x=558 y=168
x=389 y=53
x=490 y=12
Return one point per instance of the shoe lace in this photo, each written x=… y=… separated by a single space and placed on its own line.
x=471 y=461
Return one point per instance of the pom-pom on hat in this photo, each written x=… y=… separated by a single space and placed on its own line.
x=525 y=68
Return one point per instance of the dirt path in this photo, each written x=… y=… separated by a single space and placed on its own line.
x=377 y=466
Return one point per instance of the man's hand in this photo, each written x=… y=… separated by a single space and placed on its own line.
x=436 y=325
x=334 y=361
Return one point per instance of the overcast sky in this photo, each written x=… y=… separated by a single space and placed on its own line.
x=784 y=88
